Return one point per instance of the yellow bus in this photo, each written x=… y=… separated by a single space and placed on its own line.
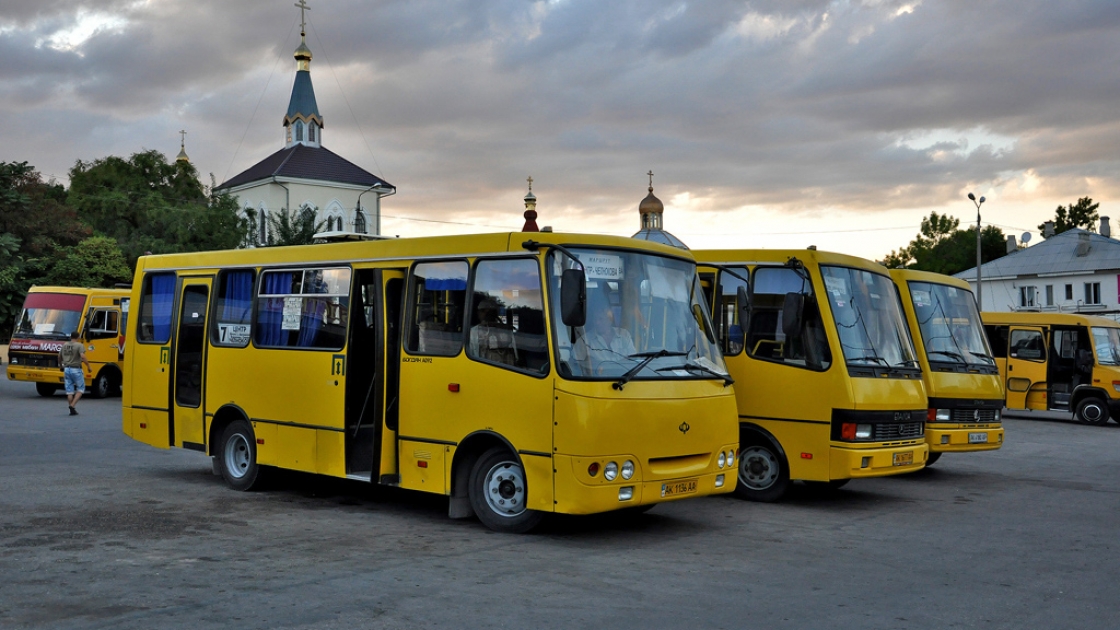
x=826 y=378
x=1058 y=362
x=48 y=317
x=962 y=381
x=518 y=376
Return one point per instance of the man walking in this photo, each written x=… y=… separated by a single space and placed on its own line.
x=71 y=356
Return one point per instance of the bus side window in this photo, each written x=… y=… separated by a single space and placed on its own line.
x=1027 y=344
x=156 y=298
x=233 y=308
x=731 y=333
x=507 y=315
x=438 y=292
x=997 y=339
x=766 y=337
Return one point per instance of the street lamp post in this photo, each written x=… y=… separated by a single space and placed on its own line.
x=979 y=289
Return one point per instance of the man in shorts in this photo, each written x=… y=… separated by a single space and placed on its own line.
x=71 y=357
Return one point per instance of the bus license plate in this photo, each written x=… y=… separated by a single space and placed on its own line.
x=904 y=459
x=676 y=488
x=977 y=438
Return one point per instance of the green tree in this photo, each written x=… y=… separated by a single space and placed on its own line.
x=941 y=247
x=1082 y=214
x=147 y=204
x=95 y=262
x=295 y=228
x=12 y=290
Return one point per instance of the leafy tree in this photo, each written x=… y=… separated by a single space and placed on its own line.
x=943 y=248
x=1082 y=214
x=95 y=262
x=149 y=205
x=12 y=290
x=296 y=228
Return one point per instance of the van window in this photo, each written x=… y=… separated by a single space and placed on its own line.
x=775 y=290
x=1027 y=344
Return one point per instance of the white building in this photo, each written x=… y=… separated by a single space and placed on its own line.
x=307 y=176
x=1072 y=272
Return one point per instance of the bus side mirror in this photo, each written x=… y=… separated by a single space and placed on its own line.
x=793 y=310
x=743 y=307
x=573 y=298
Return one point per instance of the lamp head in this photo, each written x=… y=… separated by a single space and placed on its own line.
x=982 y=200
x=972 y=196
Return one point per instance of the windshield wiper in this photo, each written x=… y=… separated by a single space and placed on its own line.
x=986 y=357
x=646 y=357
x=871 y=357
x=948 y=353
x=727 y=380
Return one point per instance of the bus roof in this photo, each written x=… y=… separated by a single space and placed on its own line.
x=397 y=249
x=929 y=276
x=753 y=256
x=81 y=291
x=1047 y=319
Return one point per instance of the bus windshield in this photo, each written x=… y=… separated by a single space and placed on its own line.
x=868 y=318
x=646 y=319
x=949 y=323
x=49 y=316
x=1107 y=344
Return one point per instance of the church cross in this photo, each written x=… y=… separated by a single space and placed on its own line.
x=302 y=4
x=650 y=179
x=182 y=138
x=530 y=183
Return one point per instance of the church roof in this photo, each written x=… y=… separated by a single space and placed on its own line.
x=660 y=236
x=300 y=161
x=302 y=102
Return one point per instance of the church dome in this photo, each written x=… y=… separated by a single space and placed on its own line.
x=651 y=204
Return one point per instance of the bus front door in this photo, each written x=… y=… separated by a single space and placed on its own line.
x=188 y=365
x=1026 y=368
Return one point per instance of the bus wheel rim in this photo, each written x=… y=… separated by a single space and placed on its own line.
x=1092 y=412
x=505 y=489
x=758 y=468
x=237 y=456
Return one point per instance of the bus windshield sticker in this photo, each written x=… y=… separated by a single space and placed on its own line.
x=922 y=299
x=835 y=285
x=668 y=283
x=233 y=333
x=293 y=306
x=602 y=266
x=44 y=329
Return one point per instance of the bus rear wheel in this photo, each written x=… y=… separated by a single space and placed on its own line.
x=237 y=456
x=46 y=389
x=763 y=475
x=498 y=492
x=102 y=386
x=1092 y=411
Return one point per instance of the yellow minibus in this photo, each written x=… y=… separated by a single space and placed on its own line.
x=826 y=378
x=962 y=381
x=48 y=317
x=519 y=375
x=1058 y=362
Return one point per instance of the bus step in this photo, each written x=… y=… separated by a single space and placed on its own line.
x=362 y=475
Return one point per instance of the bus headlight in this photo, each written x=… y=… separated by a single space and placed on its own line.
x=627 y=469
x=863 y=431
x=997 y=415
x=610 y=471
x=730 y=458
x=721 y=460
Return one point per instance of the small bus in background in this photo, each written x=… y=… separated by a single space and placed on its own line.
x=571 y=374
x=962 y=381
x=48 y=317
x=1058 y=362
x=826 y=378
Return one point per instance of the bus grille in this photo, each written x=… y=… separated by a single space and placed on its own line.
x=33 y=360
x=970 y=415
x=898 y=431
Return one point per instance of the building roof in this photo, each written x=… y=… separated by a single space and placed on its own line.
x=300 y=161
x=302 y=103
x=657 y=235
x=1071 y=252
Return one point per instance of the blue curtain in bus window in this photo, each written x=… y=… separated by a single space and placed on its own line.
x=445 y=284
x=311 y=322
x=270 y=317
x=163 y=296
x=239 y=296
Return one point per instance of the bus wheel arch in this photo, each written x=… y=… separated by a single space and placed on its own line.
x=102 y=385
x=1091 y=407
x=763 y=467
x=222 y=419
x=488 y=481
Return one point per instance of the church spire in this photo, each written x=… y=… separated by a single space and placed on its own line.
x=530 y=210
x=182 y=157
x=303 y=124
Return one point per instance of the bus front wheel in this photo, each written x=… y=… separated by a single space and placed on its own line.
x=46 y=389
x=763 y=475
x=1092 y=411
x=237 y=456
x=498 y=492
x=933 y=457
x=102 y=385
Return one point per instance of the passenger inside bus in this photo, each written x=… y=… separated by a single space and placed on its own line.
x=492 y=339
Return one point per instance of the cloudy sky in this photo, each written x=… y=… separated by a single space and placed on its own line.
x=769 y=123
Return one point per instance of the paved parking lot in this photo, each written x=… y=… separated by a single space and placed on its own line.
x=97 y=531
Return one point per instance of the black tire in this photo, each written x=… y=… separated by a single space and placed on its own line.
x=237 y=457
x=763 y=473
x=46 y=389
x=498 y=492
x=932 y=459
x=1092 y=410
x=102 y=385
x=826 y=487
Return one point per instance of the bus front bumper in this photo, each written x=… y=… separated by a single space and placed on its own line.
x=34 y=375
x=958 y=439
x=577 y=493
x=846 y=462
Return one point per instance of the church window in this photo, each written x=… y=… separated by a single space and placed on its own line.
x=262 y=228
x=299 y=131
x=311 y=132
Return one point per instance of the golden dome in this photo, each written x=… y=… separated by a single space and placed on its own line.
x=303 y=52
x=651 y=204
